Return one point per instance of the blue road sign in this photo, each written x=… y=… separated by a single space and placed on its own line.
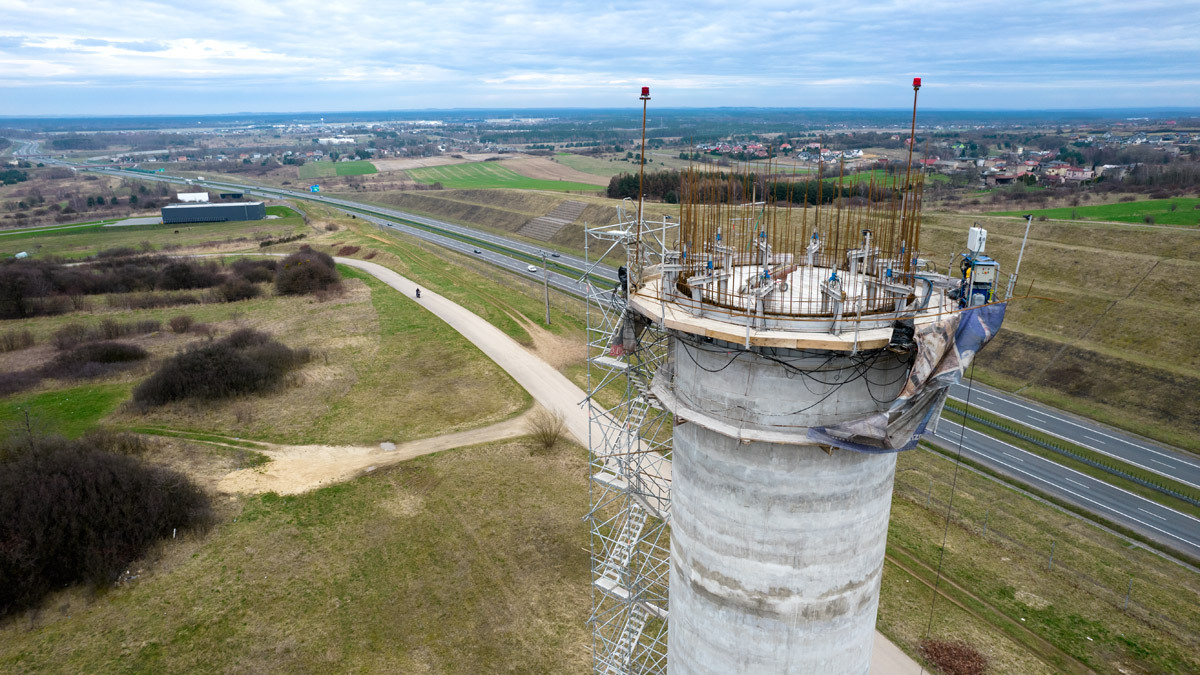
x=314 y=188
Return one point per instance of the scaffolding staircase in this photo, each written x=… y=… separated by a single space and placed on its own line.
x=629 y=443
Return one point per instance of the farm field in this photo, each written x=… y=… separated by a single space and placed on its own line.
x=594 y=165
x=545 y=168
x=1186 y=211
x=490 y=175
x=326 y=169
x=86 y=240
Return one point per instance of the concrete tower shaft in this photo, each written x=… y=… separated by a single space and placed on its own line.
x=776 y=543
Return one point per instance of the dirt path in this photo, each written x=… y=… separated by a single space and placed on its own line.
x=548 y=387
x=300 y=468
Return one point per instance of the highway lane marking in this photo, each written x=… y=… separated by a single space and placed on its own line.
x=1064 y=420
x=1151 y=514
x=1163 y=463
x=1102 y=451
x=1093 y=501
x=1074 y=481
x=1013 y=456
x=1037 y=459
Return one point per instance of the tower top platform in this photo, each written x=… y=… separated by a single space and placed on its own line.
x=749 y=314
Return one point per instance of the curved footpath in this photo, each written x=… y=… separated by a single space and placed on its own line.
x=555 y=392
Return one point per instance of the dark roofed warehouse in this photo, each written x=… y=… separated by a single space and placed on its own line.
x=213 y=213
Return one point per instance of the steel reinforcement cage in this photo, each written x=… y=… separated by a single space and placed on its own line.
x=779 y=226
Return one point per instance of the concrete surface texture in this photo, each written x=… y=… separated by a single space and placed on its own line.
x=555 y=392
x=776 y=547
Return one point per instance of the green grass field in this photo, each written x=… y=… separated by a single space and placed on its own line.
x=1187 y=212
x=85 y=240
x=69 y=412
x=282 y=212
x=327 y=169
x=488 y=175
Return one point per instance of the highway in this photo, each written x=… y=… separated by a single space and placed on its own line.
x=1159 y=523
x=1167 y=526
x=1166 y=462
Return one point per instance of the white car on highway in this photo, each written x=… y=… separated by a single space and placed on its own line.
x=531 y=268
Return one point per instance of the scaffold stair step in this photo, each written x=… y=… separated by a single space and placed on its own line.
x=611 y=362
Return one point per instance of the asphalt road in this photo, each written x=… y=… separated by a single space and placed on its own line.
x=1167 y=462
x=1171 y=528
x=1180 y=532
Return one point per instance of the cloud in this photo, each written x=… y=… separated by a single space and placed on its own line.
x=314 y=54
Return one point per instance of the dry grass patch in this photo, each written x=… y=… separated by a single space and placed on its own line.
x=467 y=561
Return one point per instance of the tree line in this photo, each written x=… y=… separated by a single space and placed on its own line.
x=672 y=186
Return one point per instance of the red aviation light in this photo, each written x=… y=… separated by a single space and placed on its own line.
x=645 y=92
x=916 y=83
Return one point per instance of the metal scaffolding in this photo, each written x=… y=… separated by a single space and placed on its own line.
x=629 y=450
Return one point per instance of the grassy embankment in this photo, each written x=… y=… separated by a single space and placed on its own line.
x=1176 y=211
x=512 y=303
x=491 y=175
x=1119 y=345
x=999 y=592
x=507 y=211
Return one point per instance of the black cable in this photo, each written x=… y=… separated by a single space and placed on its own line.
x=962 y=430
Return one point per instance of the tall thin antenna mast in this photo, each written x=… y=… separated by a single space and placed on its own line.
x=637 y=248
x=912 y=140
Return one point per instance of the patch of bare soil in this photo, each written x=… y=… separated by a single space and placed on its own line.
x=545 y=168
x=440 y=160
x=558 y=351
x=299 y=468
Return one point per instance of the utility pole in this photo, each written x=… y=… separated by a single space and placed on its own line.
x=1012 y=281
x=546 y=286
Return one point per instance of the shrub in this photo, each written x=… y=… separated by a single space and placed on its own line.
x=547 y=428
x=117 y=252
x=11 y=383
x=347 y=250
x=330 y=227
x=954 y=658
x=116 y=442
x=71 y=512
x=257 y=271
x=305 y=271
x=237 y=289
x=70 y=336
x=184 y=274
x=244 y=362
x=181 y=323
x=1128 y=198
x=281 y=240
x=95 y=359
x=11 y=341
x=151 y=300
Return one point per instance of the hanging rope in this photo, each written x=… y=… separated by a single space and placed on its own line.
x=962 y=430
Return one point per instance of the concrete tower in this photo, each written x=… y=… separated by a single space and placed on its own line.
x=774 y=360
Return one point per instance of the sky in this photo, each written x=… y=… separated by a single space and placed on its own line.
x=129 y=57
